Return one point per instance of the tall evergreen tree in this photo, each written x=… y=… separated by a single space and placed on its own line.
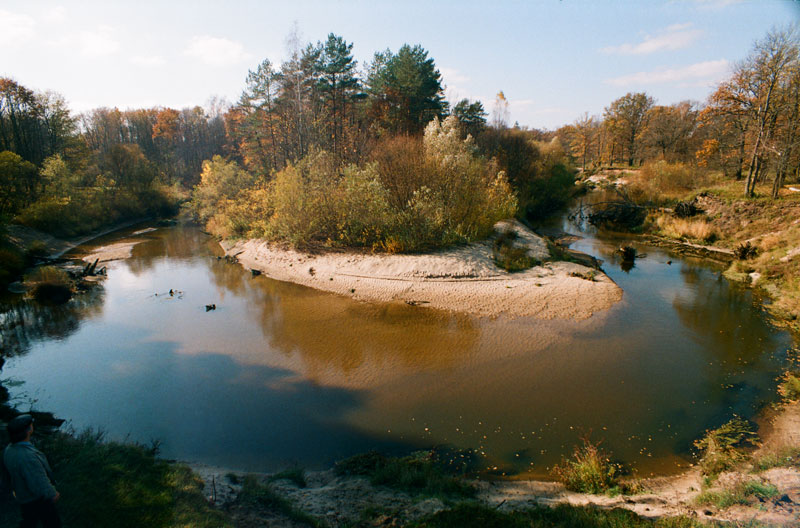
x=405 y=89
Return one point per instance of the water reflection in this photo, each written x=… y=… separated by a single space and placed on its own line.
x=281 y=372
x=343 y=342
x=24 y=322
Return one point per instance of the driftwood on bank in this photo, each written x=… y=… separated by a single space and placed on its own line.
x=88 y=271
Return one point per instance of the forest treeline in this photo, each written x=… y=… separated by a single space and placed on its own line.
x=748 y=129
x=68 y=174
x=322 y=149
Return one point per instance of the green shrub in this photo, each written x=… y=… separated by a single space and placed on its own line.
x=590 y=470
x=538 y=171
x=125 y=485
x=90 y=208
x=722 y=448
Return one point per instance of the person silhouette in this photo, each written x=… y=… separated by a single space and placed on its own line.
x=29 y=476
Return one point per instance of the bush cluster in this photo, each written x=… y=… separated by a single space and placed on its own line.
x=414 y=195
x=658 y=182
x=90 y=208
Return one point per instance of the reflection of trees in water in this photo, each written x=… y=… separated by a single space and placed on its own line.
x=177 y=243
x=25 y=322
x=735 y=335
x=724 y=316
x=331 y=331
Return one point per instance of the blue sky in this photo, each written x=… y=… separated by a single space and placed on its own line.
x=553 y=59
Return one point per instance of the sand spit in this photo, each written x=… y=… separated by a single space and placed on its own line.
x=463 y=279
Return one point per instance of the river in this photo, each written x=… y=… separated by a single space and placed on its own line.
x=280 y=375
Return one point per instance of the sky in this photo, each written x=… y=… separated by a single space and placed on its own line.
x=553 y=59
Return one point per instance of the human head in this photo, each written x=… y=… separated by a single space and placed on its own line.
x=18 y=428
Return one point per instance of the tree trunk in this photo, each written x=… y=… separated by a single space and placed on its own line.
x=778 y=183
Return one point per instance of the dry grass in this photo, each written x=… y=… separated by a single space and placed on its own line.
x=699 y=229
x=660 y=182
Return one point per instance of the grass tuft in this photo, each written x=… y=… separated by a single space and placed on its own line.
x=740 y=493
x=590 y=470
x=788 y=456
x=510 y=257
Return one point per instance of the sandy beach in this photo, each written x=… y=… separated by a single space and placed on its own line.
x=463 y=279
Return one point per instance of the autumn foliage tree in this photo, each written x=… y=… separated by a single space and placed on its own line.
x=626 y=119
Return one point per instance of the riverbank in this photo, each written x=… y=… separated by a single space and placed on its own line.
x=758 y=237
x=463 y=279
x=24 y=237
x=769 y=228
x=332 y=498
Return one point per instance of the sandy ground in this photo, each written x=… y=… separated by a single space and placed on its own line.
x=463 y=279
x=117 y=250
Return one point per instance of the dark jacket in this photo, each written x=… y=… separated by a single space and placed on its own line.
x=28 y=472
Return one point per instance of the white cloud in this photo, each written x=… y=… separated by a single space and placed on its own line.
x=149 y=61
x=56 y=14
x=700 y=73
x=216 y=51
x=15 y=29
x=674 y=37
x=98 y=43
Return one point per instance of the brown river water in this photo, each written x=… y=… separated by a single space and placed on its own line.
x=281 y=375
